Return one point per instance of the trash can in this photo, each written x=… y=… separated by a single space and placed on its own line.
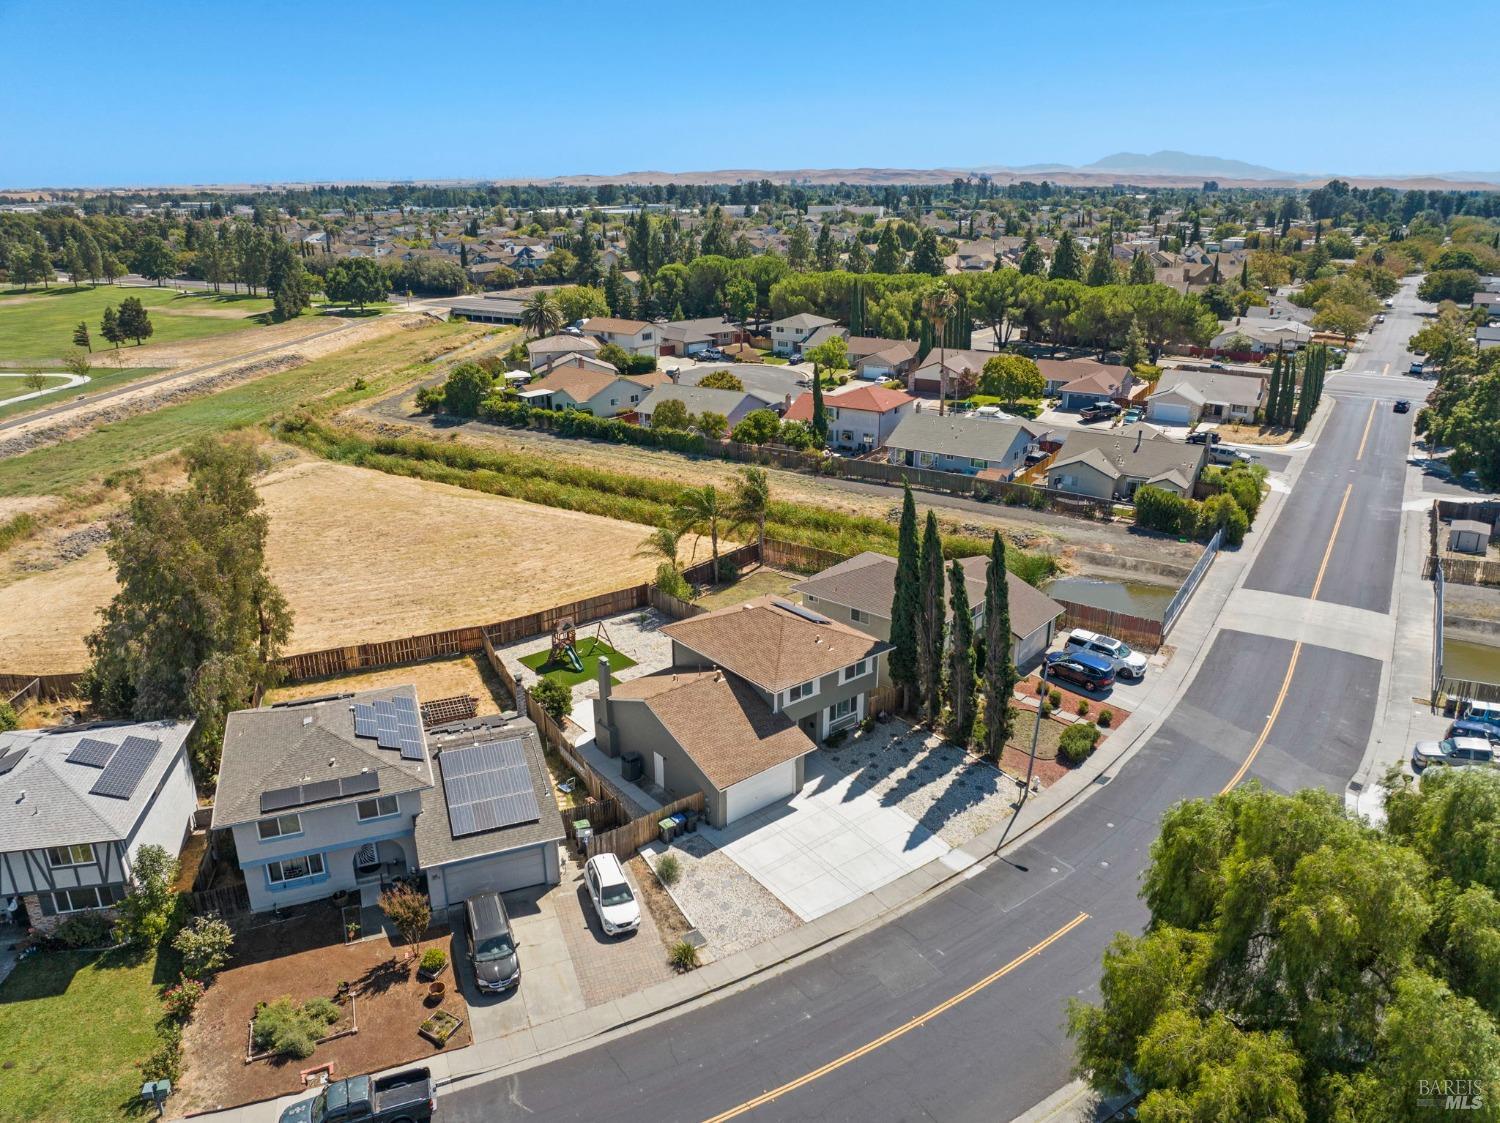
x=681 y=820
x=583 y=832
x=668 y=830
x=632 y=766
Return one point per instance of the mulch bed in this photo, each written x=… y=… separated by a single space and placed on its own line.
x=1070 y=700
x=304 y=956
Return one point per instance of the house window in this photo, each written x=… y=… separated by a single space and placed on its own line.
x=841 y=711
x=89 y=897
x=859 y=616
x=294 y=869
x=382 y=807
x=980 y=464
x=282 y=826
x=924 y=460
x=801 y=691
x=65 y=857
x=846 y=435
x=862 y=667
x=645 y=335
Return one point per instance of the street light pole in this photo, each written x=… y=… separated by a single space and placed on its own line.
x=1036 y=730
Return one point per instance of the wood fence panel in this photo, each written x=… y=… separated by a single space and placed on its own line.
x=623 y=842
x=799 y=558
x=1137 y=631
x=41 y=687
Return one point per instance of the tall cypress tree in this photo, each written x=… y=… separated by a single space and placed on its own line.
x=906 y=603
x=960 y=659
x=1273 y=392
x=999 y=676
x=930 y=619
x=1289 y=390
x=819 y=414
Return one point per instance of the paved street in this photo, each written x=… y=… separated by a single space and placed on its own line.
x=941 y=1014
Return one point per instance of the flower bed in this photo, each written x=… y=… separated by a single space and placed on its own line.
x=440 y=1027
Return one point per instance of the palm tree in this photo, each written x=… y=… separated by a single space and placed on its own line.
x=541 y=315
x=752 y=497
x=938 y=305
x=662 y=543
x=698 y=509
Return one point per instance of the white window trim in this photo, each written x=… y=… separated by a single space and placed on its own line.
x=811 y=686
x=855 y=670
x=72 y=863
x=277 y=820
x=61 y=894
x=859 y=616
x=308 y=859
x=379 y=814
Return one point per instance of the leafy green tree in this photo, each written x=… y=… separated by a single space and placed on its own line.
x=961 y=680
x=1142 y=272
x=134 y=321
x=826 y=253
x=292 y=295
x=1067 y=264
x=1011 y=378
x=77 y=363
x=700 y=509
x=888 y=253
x=1102 y=264
x=721 y=380
x=998 y=675
x=109 y=326
x=931 y=619
x=758 y=427
x=1032 y=263
x=77 y=263
x=540 y=315
x=197 y=624
x=81 y=336
x=906 y=605
x=739 y=299
x=1458 y=285
x=581 y=302
x=1345 y=319
x=858 y=260
x=927 y=258
x=712 y=425
x=146 y=912
x=830 y=355
x=466 y=386
x=154 y=260
x=1135 y=346
x=671 y=414
x=358 y=281
x=799 y=247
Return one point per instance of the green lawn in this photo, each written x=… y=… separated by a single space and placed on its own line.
x=589 y=651
x=39 y=324
x=75 y=1026
x=100 y=378
x=758 y=583
x=110 y=448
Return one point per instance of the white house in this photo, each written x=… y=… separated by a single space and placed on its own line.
x=78 y=802
x=636 y=336
x=1183 y=397
x=789 y=333
x=860 y=418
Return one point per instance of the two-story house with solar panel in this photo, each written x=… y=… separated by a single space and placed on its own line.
x=350 y=793
x=77 y=803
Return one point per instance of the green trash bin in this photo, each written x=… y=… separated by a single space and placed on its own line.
x=668 y=828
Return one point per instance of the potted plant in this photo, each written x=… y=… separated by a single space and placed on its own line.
x=433 y=963
x=343 y=991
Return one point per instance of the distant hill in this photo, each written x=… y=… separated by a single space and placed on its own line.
x=1168 y=162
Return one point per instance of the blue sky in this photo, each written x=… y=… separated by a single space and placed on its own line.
x=209 y=92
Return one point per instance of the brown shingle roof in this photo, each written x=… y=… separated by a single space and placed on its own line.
x=579 y=382
x=772 y=645
x=729 y=733
x=615 y=325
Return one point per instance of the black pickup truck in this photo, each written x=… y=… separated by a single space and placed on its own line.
x=402 y=1097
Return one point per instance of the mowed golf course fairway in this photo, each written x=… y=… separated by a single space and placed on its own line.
x=38 y=325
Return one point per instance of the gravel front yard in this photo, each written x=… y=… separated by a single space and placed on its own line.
x=726 y=904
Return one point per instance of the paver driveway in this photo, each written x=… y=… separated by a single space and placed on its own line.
x=832 y=842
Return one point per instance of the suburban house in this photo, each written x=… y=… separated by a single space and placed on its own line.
x=877 y=359
x=636 y=336
x=735 y=405
x=956 y=364
x=750 y=690
x=823 y=334
x=545 y=351
x=585 y=359
x=80 y=801
x=967 y=445
x=1184 y=397
x=347 y=793
x=1263 y=335
x=1081 y=382
x=1489 y=302
x=859 y=592
x=1112 y=463
x=788 y=334
x=1486 y=336
x=603 y=393
x=689 y=337
x=860 y=418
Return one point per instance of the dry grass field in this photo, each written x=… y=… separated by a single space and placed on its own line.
x=362 y=556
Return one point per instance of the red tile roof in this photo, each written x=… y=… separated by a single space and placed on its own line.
x=870 y=399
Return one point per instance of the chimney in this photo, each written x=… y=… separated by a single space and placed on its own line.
x=604 y=733
x=604 y=678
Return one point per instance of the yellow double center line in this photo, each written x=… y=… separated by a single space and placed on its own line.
x=901 y=1030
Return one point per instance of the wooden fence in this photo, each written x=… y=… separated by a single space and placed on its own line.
x=624 y=841
x=226 y=900
x=1464 y=571
x=1458 y=691
x=885 y=699
x=1137 y=631
x=39 y=688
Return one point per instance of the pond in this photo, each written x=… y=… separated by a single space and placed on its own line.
x=1134 y=598
x=1466 y=659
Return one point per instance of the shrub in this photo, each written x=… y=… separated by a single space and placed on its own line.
x=408 y=910
x=146 y=911
x=1106 y=718
x=1166 y=511
x=434 y=960
x=1221 y=512
x=181 y=999
x=554 y=697
x=204 y=945
x=668 y=869
x=683 y=956
x=8 y=718
x=288 y=1030
x=87 y=930
x=1054 y=699
x=721 y=380
x=671 y=581
x=1083 y=707
x=1077 y=742
x=166 y=1062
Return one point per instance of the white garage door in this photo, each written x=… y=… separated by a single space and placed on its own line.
x=1172 y=413
x=496 y=874
x=779 y=782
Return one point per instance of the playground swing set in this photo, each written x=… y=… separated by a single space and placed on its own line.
x=564 y=651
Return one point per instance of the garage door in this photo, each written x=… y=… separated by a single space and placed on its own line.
x=1171 y=413
x=498 y=873
x=751 y=795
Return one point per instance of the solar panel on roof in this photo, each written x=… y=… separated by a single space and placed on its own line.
x=387 y=734
x=10 y=760
x=488 y=786
x=126 y=767
x=361 y=783
x=93 y=753
x=277 y=799
x=364 y=720
x=320 y=790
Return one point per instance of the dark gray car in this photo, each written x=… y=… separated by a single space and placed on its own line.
x=491 y=943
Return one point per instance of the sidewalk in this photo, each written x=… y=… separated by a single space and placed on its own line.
x=1192 y=638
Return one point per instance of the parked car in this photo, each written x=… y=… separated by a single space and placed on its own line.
x=618 y=910
x=1082 y=668
x=1217 y=366
x=1463 y=727
x=1219 y=454
x=1389 y=303
x=1127 y=663
x=408 y=1096
x=1452 y=752
x=1099 y=411
x=1486 y=713
x=1402 y=406
x=1380 y=319
x=1203 y=437
x=491 y=944
x=1415 y=368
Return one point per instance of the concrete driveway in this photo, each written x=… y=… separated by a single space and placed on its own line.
x=830 y=844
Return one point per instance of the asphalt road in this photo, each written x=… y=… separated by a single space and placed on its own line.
x=872 y=1031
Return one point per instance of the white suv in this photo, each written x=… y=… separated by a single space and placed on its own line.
x=1128 y=664
x=618 y=910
